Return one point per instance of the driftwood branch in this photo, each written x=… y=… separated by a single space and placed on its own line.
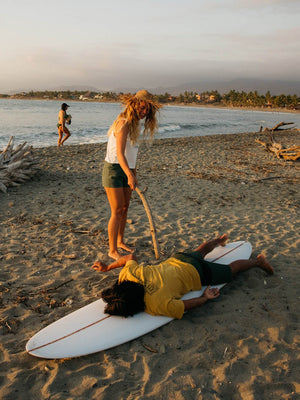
x=152 y=227
x=276 y=127
x=289 y=154
x=16 y=165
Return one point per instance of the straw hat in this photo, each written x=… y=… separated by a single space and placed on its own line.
x=141 y=95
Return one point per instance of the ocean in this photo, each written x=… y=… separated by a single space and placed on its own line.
x=34 y=121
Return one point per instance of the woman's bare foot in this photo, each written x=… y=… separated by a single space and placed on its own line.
x=115 y=255
x=125 y=247
x=263 y=263
x=223 y=239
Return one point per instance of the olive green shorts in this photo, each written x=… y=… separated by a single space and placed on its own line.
x=113 y=176
x=210 y=273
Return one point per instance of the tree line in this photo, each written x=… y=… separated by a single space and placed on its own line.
x=233 y=98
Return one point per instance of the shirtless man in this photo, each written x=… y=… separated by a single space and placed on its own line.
x=157 y=289
x=62 y=119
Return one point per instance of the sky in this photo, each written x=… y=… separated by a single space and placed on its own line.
x=51 y=44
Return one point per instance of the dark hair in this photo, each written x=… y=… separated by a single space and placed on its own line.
x=124 y=299
x=64 y=106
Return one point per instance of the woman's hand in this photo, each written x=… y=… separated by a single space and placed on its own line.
x=132 y=181
x=211 y=293
x=99 y=266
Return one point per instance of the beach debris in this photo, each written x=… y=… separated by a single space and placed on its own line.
x=8 y=325
x=82 y=232
x=70 y=256
x=289 y=154
x=94 y=232
x=151 y=349
x=152 y=227
x=225 y=351
x=16 y=165
x=276 y=127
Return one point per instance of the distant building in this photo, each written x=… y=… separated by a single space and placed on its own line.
x=86 y=96
x=208 y=98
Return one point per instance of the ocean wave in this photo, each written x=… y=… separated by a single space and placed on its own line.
x=169 y=128
x=90 y=139
x=34 y=122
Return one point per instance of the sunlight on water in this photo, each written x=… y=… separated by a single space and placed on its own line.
x=34 y=121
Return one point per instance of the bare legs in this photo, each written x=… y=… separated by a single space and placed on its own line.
x=61 y=132
x=60 y=135
x=119 y=199
x=244 y=265
x=239 y=265
x=208 y=246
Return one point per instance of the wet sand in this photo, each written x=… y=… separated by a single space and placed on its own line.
x=244 y=345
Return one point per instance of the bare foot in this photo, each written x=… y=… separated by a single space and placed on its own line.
x=125 y=247
x=263 y=263
x=223 y=239
x=115 y=255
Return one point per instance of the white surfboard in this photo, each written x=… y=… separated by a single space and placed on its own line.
x=88 y=330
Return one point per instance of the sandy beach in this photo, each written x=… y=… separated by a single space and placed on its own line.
x=244 y=345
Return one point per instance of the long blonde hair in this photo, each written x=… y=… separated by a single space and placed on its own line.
x=130 y=114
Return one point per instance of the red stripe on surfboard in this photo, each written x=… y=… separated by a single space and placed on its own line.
x=70 y=334
x=228 y=252
x=108 y=316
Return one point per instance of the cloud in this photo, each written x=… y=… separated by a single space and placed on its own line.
x=169 y=43
x=233 y=6
x=263 y=3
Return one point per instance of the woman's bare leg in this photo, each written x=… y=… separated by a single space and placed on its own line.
x=120 y=239
x=60 y=135
x=208 y=246
x=116 y=201
x=119 y=199
x=67 y=135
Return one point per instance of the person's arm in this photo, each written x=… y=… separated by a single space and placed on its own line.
x=209 y=293
x=121 y=262
x=121 y=138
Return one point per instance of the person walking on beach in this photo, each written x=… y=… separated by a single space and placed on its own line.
x=157 y=289
x=119 y=173
x=63 y=119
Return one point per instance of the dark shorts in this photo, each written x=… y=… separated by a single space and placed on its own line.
x=210 y=273
x=113 y=176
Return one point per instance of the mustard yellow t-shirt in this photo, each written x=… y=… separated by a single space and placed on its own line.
x=164 y=285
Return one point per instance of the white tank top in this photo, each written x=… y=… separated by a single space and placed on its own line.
x=130 y=151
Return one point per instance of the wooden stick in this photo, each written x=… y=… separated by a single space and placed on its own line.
x=275 y=128
x=152 y=227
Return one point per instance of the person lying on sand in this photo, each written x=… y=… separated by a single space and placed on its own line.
x=157 y=289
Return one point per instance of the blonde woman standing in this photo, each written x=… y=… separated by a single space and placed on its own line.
x=119 y=171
